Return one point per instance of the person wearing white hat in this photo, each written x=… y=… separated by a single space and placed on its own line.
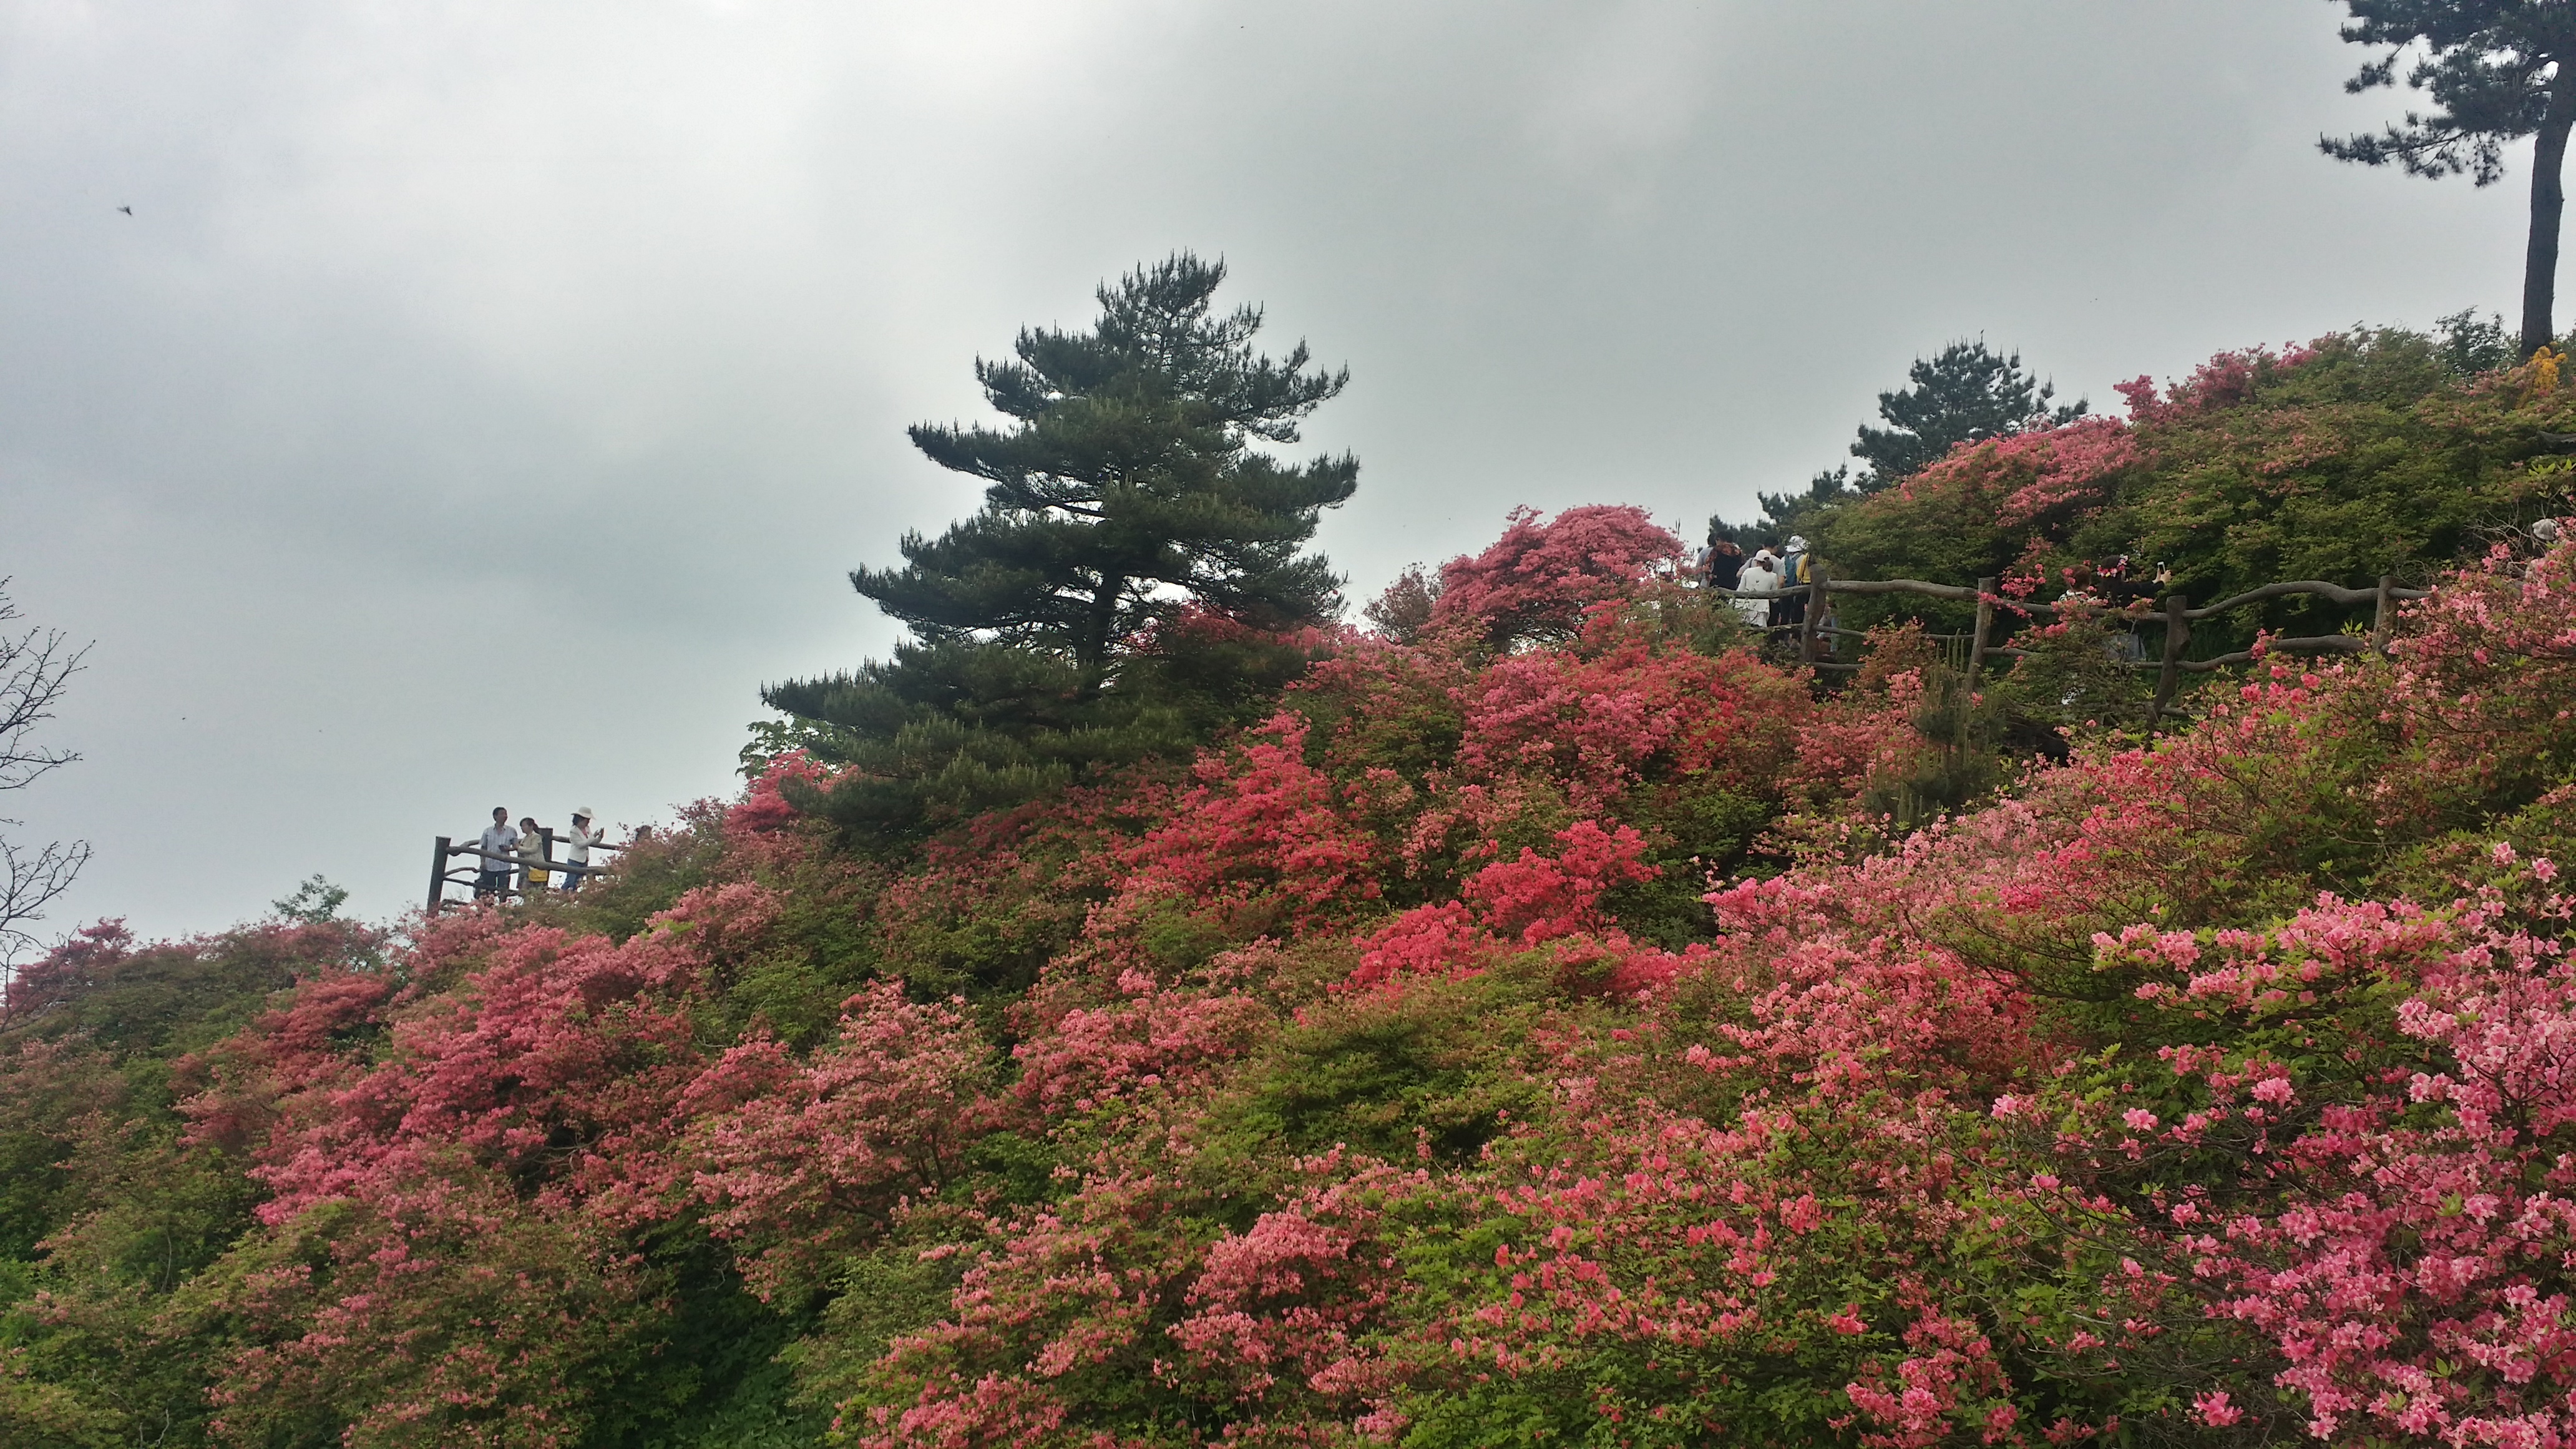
x=1757 y=588
x=1794 y=574
x=577 y=843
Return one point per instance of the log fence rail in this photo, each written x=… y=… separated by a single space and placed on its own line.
x=442 y=875
x=2176 y=613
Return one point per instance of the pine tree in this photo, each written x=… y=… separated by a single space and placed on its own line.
x=2497 y=70
x=1960 y=394
x=1785 y=515
x=1963 y=393
x=1065 y=623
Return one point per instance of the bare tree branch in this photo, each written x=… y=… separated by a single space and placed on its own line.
x=36 y=667
x=30 y=879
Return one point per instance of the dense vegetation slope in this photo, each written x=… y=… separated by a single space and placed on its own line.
x=1541 y=1028
x=2360 y=454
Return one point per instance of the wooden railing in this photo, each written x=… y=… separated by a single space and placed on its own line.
x=2175 y=611
x=441 y=875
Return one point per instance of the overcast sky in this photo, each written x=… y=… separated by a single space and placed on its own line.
x=483 y=399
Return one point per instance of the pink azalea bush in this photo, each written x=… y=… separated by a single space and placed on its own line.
x=2024 y=476
x=1537 y=580
x=1526 y=1033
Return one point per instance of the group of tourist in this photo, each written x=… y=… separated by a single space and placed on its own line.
x=1770 y=585
x=521 y=850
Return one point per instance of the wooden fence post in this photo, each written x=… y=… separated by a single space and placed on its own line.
x=2177 y=634
x=1976 y=655
x=1815 y=612
x=2379 y=620
x=1985 y=623
x=438 y=875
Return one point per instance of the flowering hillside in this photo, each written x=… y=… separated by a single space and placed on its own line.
x=1535 y=1030
x=2359 y=453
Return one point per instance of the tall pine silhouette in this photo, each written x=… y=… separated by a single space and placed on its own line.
x=1962 y=393
x=2496 y=70
x=1125 y=491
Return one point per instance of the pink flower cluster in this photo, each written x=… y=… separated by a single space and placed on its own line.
x=2021 y=477
x=1538 y=580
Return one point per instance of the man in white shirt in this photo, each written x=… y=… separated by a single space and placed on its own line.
x=577 y=843
x=498 y=844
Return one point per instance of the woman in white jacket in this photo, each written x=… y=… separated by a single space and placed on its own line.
x=577 y=843
x=1756 y=586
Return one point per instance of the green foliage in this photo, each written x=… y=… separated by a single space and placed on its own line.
x=1129 y=468
x=718 y=1374
x=881 y=1295
x=2497 y=70
x=140 y=1216
x=1052 y=629
x=152 y=1208
x=2489 y=70
x=105 y=1206
x=1788 y=514
x=1435 y=1068
x=2358 y=461
x=1960 y=394
x=170 y=998
x=652 y=874
x=987 y=940
x=37 y=1414
x=314 y=902
x=49 y=1094
x=2361 y=456
x=2072 y=675
x=1975 y=737
x=1780 y=1386
x=1699 y=831
x=817 y=948
x=499 y=1314
x=2433 y=868
x=2471 y=344
x=771 y=738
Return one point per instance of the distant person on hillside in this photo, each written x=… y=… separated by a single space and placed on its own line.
x=532 y=857
x=2123 y=585
x=1721 y=563
x=498 y=844
x=1796 y=571
x=577 y=844
x=2545 y=534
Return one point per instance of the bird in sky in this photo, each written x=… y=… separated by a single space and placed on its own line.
x=129 y=211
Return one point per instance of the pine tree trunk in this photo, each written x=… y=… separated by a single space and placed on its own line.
x=2548 y=201
x=1093 y=652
